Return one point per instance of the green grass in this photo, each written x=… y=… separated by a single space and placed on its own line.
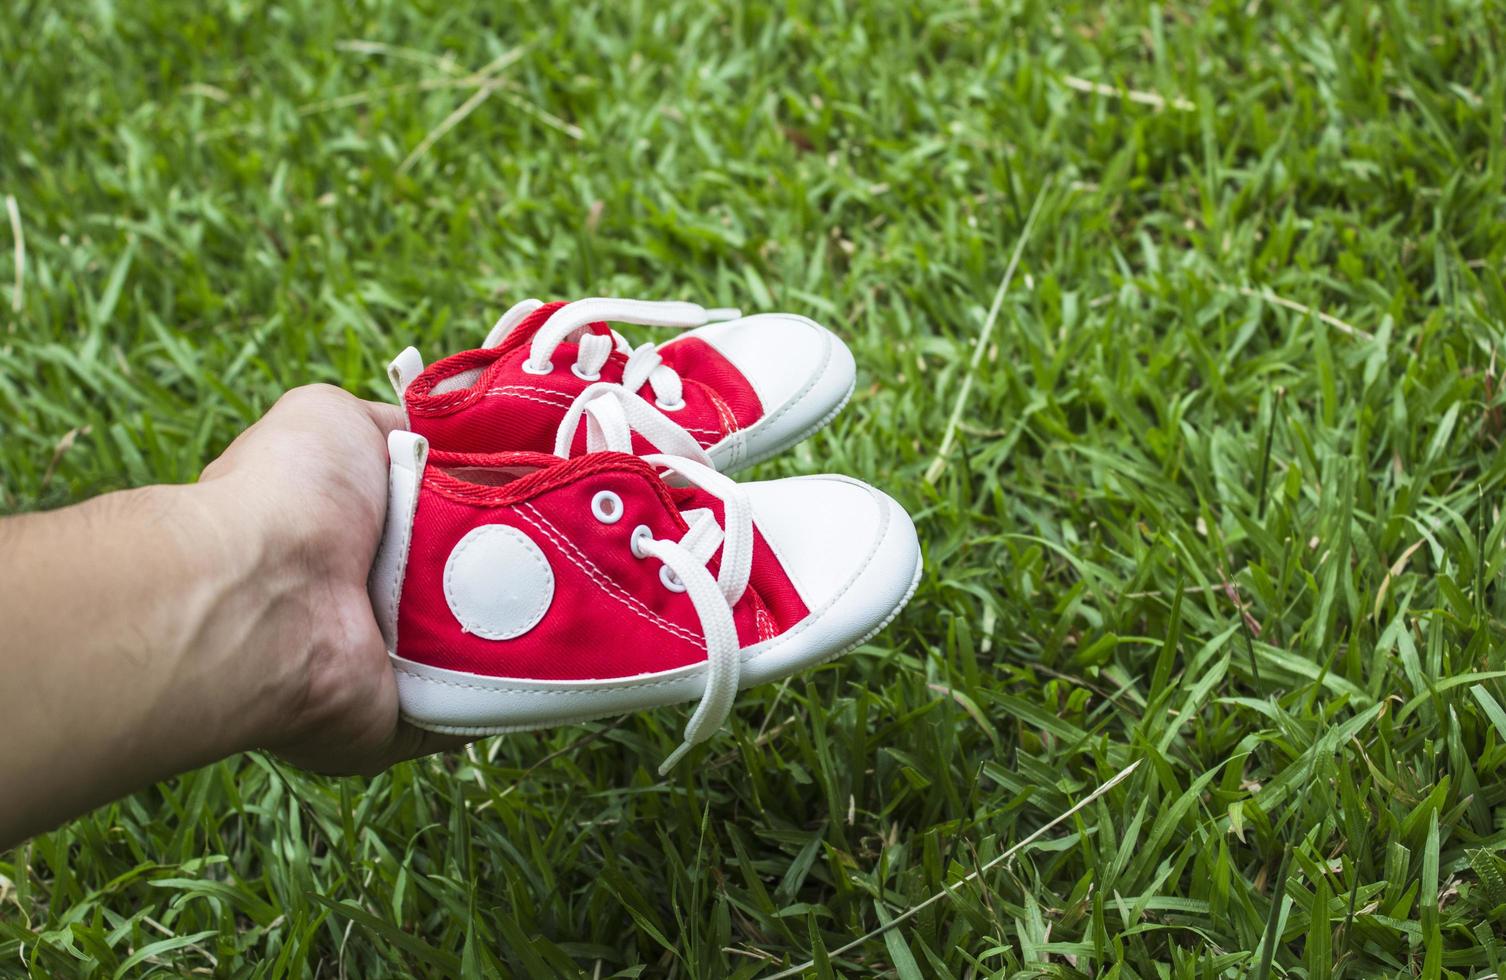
x=1225 y=497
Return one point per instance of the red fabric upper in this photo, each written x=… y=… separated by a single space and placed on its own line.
x=610 y=617
x=507 y=409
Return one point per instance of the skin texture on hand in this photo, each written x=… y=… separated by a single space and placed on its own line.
x=313 y=475
x=155 y=630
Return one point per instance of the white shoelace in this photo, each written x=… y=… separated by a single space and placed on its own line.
x=644 y=366
x=612 y=414
x=685 y=560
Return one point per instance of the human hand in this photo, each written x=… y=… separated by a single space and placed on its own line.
x=159 y=629
x=302 y=495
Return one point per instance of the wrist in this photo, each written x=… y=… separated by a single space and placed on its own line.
x=242 y=615
x=292 y=591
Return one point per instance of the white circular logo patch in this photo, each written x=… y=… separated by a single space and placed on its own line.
x=498 y=582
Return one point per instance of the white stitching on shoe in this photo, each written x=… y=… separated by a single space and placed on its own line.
x=503 y=389
x=767 y=628
x=724 y=413
x=585 y=564
x=532 y=398
x=517 y=391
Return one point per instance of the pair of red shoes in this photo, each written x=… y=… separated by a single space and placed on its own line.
x=563 y=542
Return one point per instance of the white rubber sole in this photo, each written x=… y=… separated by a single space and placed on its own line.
x=459 y=703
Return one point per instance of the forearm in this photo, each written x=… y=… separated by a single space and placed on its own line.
x=124 y=654
x=148 y=632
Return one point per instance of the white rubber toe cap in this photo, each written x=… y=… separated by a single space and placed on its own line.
x=822 y=529
x=850 y=551
x=802 y=373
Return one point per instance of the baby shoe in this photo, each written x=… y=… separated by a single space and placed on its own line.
x=521 y=590
x=743 y=388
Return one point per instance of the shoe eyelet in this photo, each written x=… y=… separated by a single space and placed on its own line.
x=670 y=580
x=607 y=507
x=530 y=368
x=641 y=533
x=575 y=370
x=675 y=407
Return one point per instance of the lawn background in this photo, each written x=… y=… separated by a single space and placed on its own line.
x=1224 y=495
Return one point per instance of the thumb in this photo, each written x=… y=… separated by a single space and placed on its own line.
x=387 y=418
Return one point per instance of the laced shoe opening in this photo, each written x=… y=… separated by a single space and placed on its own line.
x=456 y=382
x=487 y=476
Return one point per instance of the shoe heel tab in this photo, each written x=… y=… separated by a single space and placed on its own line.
x=408 y=452
x=403 y=369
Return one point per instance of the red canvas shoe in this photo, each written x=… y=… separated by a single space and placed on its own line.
x=742 y=388
x=522 y=590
